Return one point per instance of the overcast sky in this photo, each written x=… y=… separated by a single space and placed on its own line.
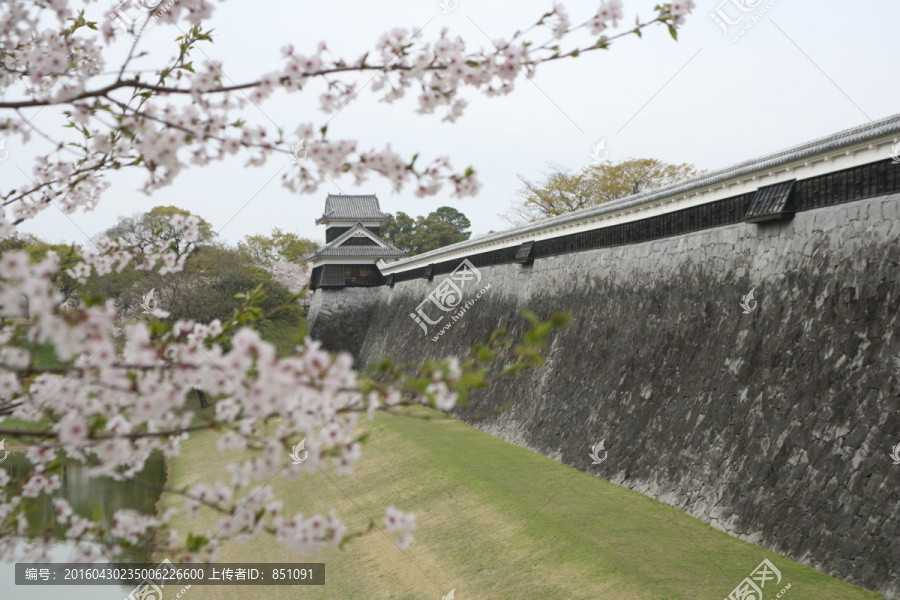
x=804 y=70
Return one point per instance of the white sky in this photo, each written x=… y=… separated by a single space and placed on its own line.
x=803 y=71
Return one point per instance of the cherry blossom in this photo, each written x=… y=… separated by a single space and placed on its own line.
x=119 y=392
x=160 y=132
x=680 y=10
x=291 y=275
x=405 y=523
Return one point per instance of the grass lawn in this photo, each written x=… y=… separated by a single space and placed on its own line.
x=495 y=521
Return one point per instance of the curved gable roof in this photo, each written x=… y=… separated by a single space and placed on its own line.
x=335 y=247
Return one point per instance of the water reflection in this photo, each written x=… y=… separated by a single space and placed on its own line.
x=96 y=498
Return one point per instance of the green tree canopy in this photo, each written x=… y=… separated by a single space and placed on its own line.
x=563 y=191
x=146 y=228
x=207 y=288
x=455 y=218
x=399 y=230
x=279 y=246
x=37 y=249
x=443 y=227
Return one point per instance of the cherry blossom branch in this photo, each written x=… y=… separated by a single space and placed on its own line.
x=47 y=434
x=118 y=390
x=439 y=71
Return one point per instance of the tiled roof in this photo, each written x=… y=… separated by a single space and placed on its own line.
x=769 y=162
x=334 y=248
x=361 y=251
x=352 y=208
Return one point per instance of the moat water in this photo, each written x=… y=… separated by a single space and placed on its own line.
x=90 y=497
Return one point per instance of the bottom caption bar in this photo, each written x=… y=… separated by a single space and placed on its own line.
x=169 y=573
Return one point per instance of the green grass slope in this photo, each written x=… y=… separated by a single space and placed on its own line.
x=495 y=521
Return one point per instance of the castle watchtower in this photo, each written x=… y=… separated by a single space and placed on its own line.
x=352 y=244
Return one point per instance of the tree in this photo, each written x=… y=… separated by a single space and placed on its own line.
x=37 y=249
x=142 y=233
x=69 y=255
x=118 y=393
x=563 y=191
x=207 y=288
x=143 y=230
x=281 y=254
x=279 y=246
x=293 y=276
x=399 y=230
x=433 y=232
x=443 y=227
x=452 y=216
x=19 y=241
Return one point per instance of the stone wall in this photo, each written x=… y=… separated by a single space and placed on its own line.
x=340 y=317
x=774 y=426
